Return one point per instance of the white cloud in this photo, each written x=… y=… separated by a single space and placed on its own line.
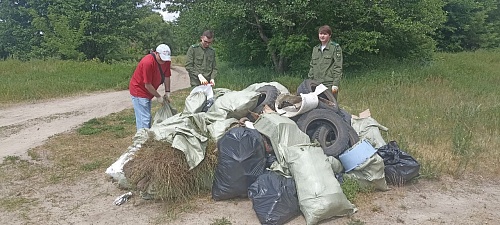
x=166 y=15
x=169 y=16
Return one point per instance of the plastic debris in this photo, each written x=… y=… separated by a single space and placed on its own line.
x=123 y=198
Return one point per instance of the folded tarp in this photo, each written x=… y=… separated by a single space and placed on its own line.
x=235 y=104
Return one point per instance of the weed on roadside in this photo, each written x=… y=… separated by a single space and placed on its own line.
x=93 y=165
x=11 y=158
x=221 y=221
x=33 y=155
x=96 y=126
x=11 y=204
x=352 y=188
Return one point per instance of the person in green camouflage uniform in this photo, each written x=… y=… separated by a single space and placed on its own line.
x=200 y=61
x=326 y=61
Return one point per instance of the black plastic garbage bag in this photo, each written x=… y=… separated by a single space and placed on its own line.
x=274 y=198
x=241 y=160
x=399 y=166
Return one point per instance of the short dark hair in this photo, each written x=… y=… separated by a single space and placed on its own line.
x=208 y=33
x=325 y=29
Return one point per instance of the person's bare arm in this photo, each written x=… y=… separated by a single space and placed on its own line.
x=152 y=90
x=167 y=84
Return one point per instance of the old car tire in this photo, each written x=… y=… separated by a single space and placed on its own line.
x=345 y=115
x=268 y=96
x=310 y=122
x=353 y=135
x=328 y=141
x=327 y=100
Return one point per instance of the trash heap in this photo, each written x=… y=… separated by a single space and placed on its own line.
x=288 y=153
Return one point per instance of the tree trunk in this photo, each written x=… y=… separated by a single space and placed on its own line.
x=277 y=61
x=280 y=68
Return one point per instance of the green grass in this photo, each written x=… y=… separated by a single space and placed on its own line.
x=221 y=221
x=445 y=113
x=45 y=79
x=351 y=188
x=11 y=158
x=94 y=165
x=11 y=204
x=236 y=78
x=38 y=79
x=98 y=125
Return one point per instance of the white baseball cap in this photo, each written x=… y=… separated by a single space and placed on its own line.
x=164 y=52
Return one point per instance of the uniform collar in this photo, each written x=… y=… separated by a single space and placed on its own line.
x=326 y=47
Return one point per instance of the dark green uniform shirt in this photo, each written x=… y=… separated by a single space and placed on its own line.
x=200 y=60
x=326 y=66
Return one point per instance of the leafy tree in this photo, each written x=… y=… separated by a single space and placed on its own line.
x=62 y=26
x=283 y=32
x=151 y=31
x=107 y=36
x=401 y=29
x=77 y=29
x=250 y=31
x=17 y=36
x=188 y=29
x=470 y=25
x=493 y=22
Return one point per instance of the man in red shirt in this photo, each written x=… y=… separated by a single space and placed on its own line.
x=145 y=81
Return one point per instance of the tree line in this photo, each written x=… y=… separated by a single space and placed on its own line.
x=274 y=33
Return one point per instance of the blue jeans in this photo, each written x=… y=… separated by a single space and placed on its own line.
x=142 y=110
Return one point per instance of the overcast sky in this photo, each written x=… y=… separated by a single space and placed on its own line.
x=168 y=16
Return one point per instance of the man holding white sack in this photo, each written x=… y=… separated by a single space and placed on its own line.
x=200 y=61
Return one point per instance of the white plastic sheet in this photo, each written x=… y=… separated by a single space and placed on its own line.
x=206 y=89
x=116 y=169
x=308 y=102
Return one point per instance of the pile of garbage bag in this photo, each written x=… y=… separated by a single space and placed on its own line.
x=285 y=152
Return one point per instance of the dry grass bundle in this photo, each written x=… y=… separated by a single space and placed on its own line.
x=162 y=171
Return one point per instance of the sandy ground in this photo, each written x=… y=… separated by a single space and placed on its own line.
x=90 y=201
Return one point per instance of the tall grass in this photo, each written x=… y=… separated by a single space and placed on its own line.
x=446 y=113
x=237 y=78
x=38 y=79
x=45 y=79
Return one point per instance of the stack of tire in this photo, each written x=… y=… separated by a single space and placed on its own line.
x=327 y=123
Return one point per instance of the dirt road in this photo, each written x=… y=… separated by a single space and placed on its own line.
x=90 y=200
x=28 y=125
